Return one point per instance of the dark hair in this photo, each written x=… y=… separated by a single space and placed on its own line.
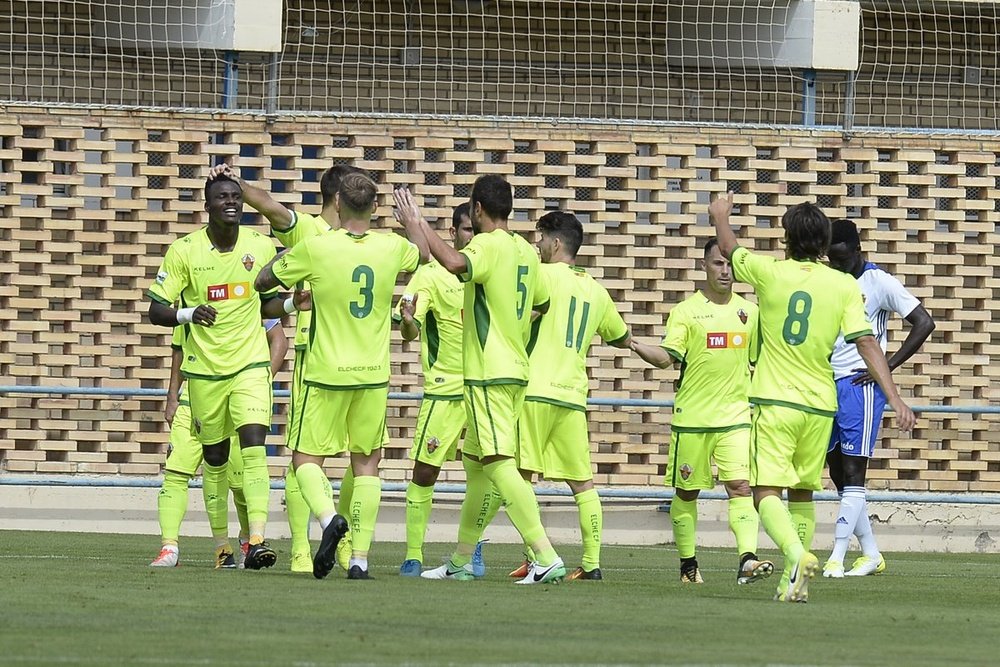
x=711 y=243
x=462 y=210
x=846 y=232
x=329 y=184
x=357 y=192
x=212 y=182
x=565 y=227
x=807 y=231
x=494 y=194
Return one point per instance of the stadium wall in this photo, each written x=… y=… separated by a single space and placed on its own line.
x=90 y=200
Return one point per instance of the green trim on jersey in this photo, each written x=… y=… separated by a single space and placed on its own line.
x=158 y=299
x=443 y=397
x=433 y=338
x=675 y=354
x=185 y=403
x=195 y=376
x=850 y=338
x=793 y=406
x=481 y=312
x=557 y=403
x=620 y=338
x=493 y=381
x=345 y=387
x=715 y=429
x=466 y=276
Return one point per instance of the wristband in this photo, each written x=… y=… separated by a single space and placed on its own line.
x=290 y=305
x=185 y=315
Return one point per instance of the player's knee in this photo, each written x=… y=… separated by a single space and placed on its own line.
x=424 y=474
x=739 y=488
x=686 y=495
x=855 y=470
x=252 y=435
x=216 y=455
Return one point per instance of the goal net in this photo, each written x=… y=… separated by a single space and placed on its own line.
x=922 y=63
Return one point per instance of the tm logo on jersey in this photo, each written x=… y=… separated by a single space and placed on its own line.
x=228 y=291
x=719 y=340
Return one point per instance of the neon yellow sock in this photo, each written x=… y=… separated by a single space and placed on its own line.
x=313 y=486
x=240 y=501
x=364 y=513
x=477 y=510
x=215 y=489
x=298 y=513
x=684 y=517
x=418 y=514
x=256 y=489
x=522 y=508
x=171 y=505
x=804 y=519
x=588 y=504
x=346 y=491
x=744 y=523
x=778 y=525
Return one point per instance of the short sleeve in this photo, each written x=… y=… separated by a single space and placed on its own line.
x=409 y=255
x=612 y=327
x=751 y=268
x=897 y=297
x=675 y=340
x=293 y=266
x=854 y=321
x=479 y=258
x=171 y=278
x=542 y=289
x=267 y=252
x=304 y=226
x=177 y=338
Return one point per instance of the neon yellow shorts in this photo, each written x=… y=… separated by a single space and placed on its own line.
x=555 y=442
x=788 y=447
x=184 y=452
x=339 y=420
x=492 y=412
x=439 y=427
x=220 y=407
x=298 y=372
x=689 y=462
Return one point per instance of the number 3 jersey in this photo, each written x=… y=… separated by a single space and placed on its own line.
x=804 y=306
x=352 y=278
x=579 y=307
x=194 y=273
x=715 y=345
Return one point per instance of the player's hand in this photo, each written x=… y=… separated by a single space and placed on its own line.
x=905 y=419
x=407 y=211
x=408 y=306
x=222 y=170
x=171 y=409
x=302 y=298
x=863 y=377
x=204 y=315
x=721 y=207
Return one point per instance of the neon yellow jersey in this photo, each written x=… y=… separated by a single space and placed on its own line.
x=715 y=345
x=304 y=226
x=579 y=308
x=352 y=280
x=193 y=273
x=502 y=286
x=439 y=314
x=803 y=308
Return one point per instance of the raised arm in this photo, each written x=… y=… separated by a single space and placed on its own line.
x=719 y=211
x=870 y=351
x=421 y=234
x=277 y=214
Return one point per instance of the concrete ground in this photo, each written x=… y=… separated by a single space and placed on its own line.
x=898 y=526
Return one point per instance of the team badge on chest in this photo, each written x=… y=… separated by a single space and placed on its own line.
x=742 y=314
x=248 y=261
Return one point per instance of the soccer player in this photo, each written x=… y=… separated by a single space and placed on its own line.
x=804 y=305
x=184 y=457
x=431 y=308
x=291 y=227
x=210 y=272
x=554 y=439
x=502 y=288
x=352 y=272
x=860 y=402
x=713 y=336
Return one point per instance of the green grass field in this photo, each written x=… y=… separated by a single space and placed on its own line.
x=83 y=599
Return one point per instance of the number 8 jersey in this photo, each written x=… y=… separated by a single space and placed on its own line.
x=352 y=278
x=803 y=307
